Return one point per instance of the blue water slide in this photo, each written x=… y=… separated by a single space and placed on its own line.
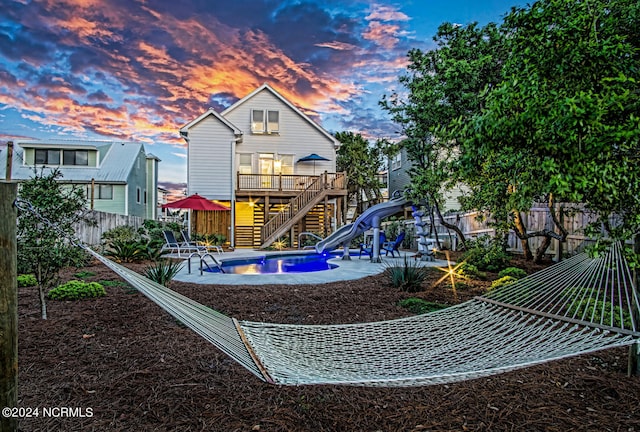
x=348 y=232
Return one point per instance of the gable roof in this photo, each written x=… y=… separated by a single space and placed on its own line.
x=184 y=130
x=117 y=160
x=267 y=87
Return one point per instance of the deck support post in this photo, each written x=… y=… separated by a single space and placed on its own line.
x=375 y=250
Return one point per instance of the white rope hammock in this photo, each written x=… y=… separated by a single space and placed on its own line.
x=577 y=306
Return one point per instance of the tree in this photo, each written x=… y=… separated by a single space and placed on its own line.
x=362 y=162
x=443 y=85
x=45 y=229
x=569 y=101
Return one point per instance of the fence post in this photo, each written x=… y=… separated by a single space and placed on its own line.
x=8 y=305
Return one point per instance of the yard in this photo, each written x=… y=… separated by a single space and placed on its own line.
x=137 y=368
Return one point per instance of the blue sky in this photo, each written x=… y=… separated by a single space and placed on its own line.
x=138 y=70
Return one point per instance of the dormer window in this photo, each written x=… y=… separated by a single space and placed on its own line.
x=265 y=121
x=69 y=157
x=75 y=157
x=47 y=157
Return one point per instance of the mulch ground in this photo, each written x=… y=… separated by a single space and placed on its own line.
x=129 y=366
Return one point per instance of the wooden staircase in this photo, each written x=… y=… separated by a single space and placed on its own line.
x=295 y=210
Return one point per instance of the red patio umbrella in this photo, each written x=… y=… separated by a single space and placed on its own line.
x=196 y=202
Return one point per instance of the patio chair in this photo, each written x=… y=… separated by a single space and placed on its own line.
x=172 y=245
x=367 y=249
x=208 y=247
x=392 y=246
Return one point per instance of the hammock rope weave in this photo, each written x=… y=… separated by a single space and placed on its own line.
x=578 y=306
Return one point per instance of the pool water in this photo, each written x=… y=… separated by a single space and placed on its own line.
x=279 y=264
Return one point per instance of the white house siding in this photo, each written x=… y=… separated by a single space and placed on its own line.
x=297 y=136
x=210 y=163
x=451 y=202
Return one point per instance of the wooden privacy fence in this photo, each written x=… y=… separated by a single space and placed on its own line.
x=211 y=222
x=476 y=224
x=92 y=235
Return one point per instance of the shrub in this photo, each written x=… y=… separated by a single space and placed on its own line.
x=597 y=311
x=505 y=280
x=487 y=254
x=123 y=233
x=163 y=271
x=75 y=290
x=151 y=232
x=471 y=271
x=420 y=306
x=27 y=280
x=408 y=277
x=127 y=251
x=514 y=272
x=84 y=274
x=209 y=239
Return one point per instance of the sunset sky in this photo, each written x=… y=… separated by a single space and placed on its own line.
x=139 y=70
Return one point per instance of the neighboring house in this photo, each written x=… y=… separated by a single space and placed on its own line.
x=247 y=157
x=399 y=179
x=163 y=194
x=118 y=177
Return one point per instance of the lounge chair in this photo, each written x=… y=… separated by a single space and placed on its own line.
x=173 y=246
x=392 y=246
x=208 y=247
x=367 y=249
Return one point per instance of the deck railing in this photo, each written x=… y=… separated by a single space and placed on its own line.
x=297 y=205
x=287 y=182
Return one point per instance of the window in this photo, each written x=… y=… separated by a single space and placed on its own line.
x=257 y=121
x=244 y=164
x=265 y=121
x=106 y=191
x=396 y=161
x=273 y=121
x=138 y=197
x=287 y=164
x=47 y=157
x=145 y=196
x=102 y=192
x=75 y=157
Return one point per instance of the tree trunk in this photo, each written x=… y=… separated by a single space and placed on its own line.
x=43 y=302
x=432 y=220
x=549 y=235
x=450 y=226
x=521 y=232
x=539 y=255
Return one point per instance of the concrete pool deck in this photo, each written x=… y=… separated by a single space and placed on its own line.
x=347 y=269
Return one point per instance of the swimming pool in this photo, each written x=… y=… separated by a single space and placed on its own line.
x=274 y=264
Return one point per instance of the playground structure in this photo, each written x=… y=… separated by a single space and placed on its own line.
x=426 y=245
x=370 y=218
